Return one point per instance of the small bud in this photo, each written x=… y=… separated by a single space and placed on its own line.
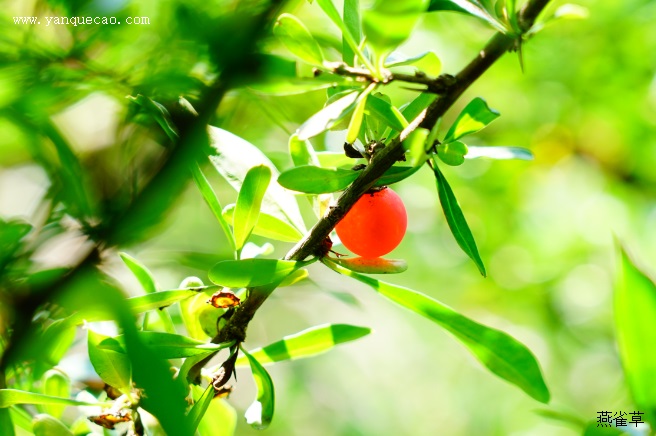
x=191 y=282
x=224 y=299
x=109 y=420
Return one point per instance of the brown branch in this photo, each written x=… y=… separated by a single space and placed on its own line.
x=500 y=43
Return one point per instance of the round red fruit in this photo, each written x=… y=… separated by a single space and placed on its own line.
x=375 y=225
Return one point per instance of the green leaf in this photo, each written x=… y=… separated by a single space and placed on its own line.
x=498 y=351
x=164 y=345
x=233 y=157
x=417 y=106
x=298 y=39
x=427 y=62
x=635 y=311
x=377 y=265
x=469 y=7
x=328 y=116
x=11 y=233
x=352 y=23
x=302 y=152
x=56 y=384
x=220 y=419
x=114 y=368
x=251 y=272
x=452 y=153
x=591 y=429
x=9 y=397
x=295 y=277
x=315 y=180
x=307 y=343
x=142 y=273
x=390 y=22
x=47 y=348
x=456 y=220
x=415 y=144
x=396 y=174
x=6 y=423
x=268 y=226
x=249 y=202
x=158 y=112
x=46 y=425
x=476 y=115
x=260 y=412
x=158 y=300
x=333 y=159
x=199 y=409
x=358 y=115
x=387 y=112
x=213 y=202
x=501 y=153
x=200 y=319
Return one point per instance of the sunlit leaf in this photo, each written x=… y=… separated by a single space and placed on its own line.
x=220 y=419
x=387 y=112
x=328 y=116
x=415 y=144
x=157 y=112
x=635 y=309
x=350 y=39
x=307 y=343
x=452 y=153
x=298 y=39
x=268 y=226
x=164 y=345
x=498 y=351
x=356 y=119
x=142 y=273
x=46 y=425
x=470 y=7
x=498 y=152
x=113 y=367
x=427 y=62
x=249 y=202
x=6 y=423
x=55 y=384
x=251 y=272
x=377 y=265
x=260 y=412
x=234 y=157
x=390 y=22
x=333 y=159
x=352 y=23
x=213 y=202
x=295 y=277
x=396 y=174
x=456 y=219
x=302 y=152
x=158 y=300
x=199 y=409
x=476 y=115
x=9 y=397
x=316 y=180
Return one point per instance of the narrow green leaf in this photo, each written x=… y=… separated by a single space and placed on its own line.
x=233 y=157
x=46 y=425
x=328 y=116
x=315 y=180
x=498 y=152
x=158 y=300
x=9 y=397
x=426 y=62
x=635 y=311
x=260 y=413
x=356 y=119
x=390 y=22
x=158 y=113
x=268 y=226
x=295 y=277
x=468 y=7
x=352 y=23
x=476 y=115
x=452 y=153
x=302 y=152
x=143 y=275
x=377 y=265
x=417 y=106
x=213 y=202
x=114 y=368
x=415 y=144
x=456 y=220
x=199 y=409
x=20 y=418
x=396 y=174
x=298 y=39
x=307 y=343
x=164 y=345
x=387 y=112
x=251 y=272
x=249 y=202
x=498 y=351
x=220 y=419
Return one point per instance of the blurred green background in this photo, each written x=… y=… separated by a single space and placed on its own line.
x=585 y=105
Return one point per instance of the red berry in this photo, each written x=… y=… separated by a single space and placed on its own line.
x=375 y=225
